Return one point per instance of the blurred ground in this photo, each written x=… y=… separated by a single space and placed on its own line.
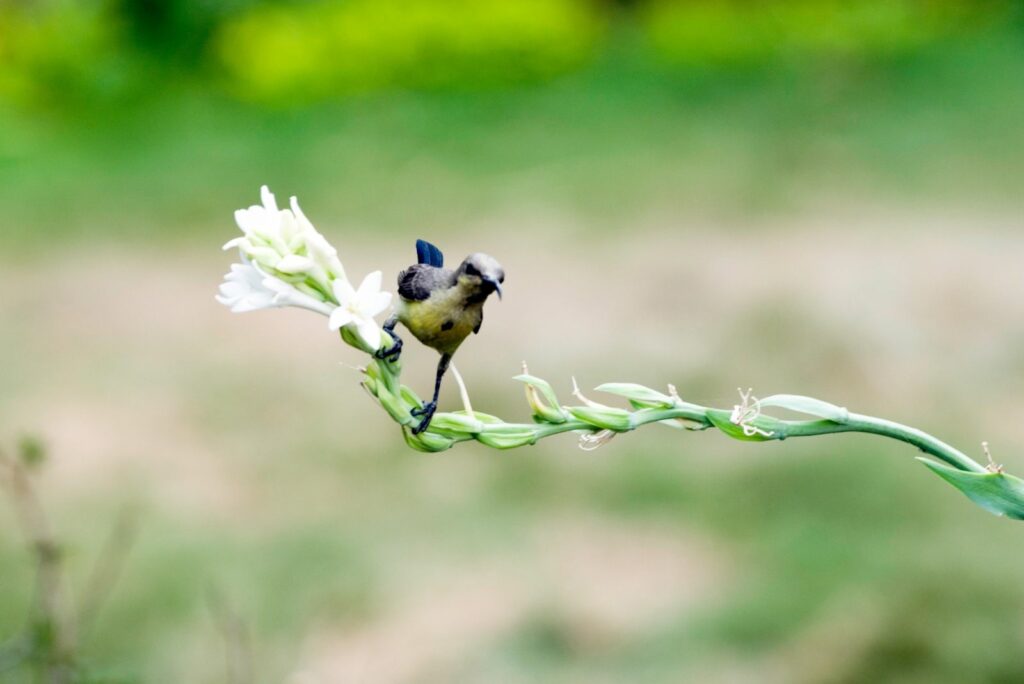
x=262 y=468
x=846 y=229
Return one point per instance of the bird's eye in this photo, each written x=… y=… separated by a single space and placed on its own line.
x=471 y=270
x=501 y=278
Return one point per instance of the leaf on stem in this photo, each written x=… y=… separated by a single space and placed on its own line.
x=453 y=422
x=742 y=431
x=429 y=442
x=396 y=408
x=605 y=417
x=507 y=436
x=542 y=398
x=808 y=405
x=646 y=396
x=996 y=492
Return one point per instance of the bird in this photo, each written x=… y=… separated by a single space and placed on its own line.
x=440 y=307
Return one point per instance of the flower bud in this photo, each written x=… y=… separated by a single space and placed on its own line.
x=638 y=395
x=427 y=441
x=410 y=397
x=352 y=338
x=507 y=436
x=293 y=264
x=454 y=422
x=605 y=417
x=542 y=399
x=395 y=408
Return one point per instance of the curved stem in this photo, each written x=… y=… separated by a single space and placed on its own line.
x=856 y=423
x=893 y=430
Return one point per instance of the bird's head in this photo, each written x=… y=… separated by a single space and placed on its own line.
x=481 y=272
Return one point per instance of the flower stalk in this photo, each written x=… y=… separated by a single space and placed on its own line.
x=286 y=262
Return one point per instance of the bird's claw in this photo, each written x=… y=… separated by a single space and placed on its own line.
x=392 y=353
x=427 y=411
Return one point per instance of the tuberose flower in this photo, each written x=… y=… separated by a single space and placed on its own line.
x=284 y=241
x=286 y=262
x=242 y=290
x=247 y=288
x=286 y=294
x=359 y=307
x=317 y=247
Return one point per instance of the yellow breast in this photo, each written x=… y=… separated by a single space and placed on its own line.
x=441 y=321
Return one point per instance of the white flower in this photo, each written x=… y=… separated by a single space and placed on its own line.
x=284 y=240
x=358 y=307
x=242 y=290
x=267 y=231
x=286 y=294
x=293 y=264
x=247 y=288
x=321 y=251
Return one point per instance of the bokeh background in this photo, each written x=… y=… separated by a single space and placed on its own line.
x=809 y=197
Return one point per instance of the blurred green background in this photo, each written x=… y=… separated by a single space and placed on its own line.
x=810 y=197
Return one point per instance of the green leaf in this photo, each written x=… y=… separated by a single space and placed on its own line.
x=427 y=441
x=353 y=339
x=997 y=493
x=543 y=386
x=808 y=405
x=507 y=436
x=453 y=422
x=606 y=417
x=722 y=420
x=485 y=418
x=373 y=370
x=410 y=397
x=395 y=408
x=542 y=400
x=634 y=392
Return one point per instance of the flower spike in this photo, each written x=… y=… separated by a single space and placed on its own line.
x=284 y=261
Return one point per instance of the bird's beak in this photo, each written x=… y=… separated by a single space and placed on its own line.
x=495 y=283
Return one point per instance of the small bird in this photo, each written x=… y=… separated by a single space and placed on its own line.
x=440 y=308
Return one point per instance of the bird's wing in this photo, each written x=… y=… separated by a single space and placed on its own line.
x=417 y=282
x=428 y=254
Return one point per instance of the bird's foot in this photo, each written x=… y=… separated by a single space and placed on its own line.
x=427 y=412
x=392 y=353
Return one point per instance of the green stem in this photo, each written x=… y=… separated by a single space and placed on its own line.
x=698 y=415
x=856 y=423
x=988 y=487
x=887 y=428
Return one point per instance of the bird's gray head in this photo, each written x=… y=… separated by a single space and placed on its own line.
x=482 y=271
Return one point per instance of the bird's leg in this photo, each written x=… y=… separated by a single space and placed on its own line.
x=395 y=350
x=427 y=410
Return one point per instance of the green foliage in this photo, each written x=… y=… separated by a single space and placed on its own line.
x=638 y=395
x=808 y=405
x=174 y=31
x=281 y=52
x=710 y=32
x=54 y=50
x=723 y=421
x=995 y=491
x=31 y=451
x=288 y=53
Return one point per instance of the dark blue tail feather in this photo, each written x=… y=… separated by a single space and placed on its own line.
x=427 y=253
